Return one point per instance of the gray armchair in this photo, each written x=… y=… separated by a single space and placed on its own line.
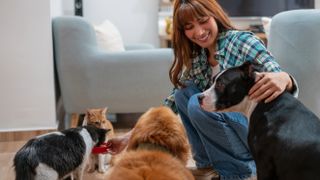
x=295 y=43
x=126 y=82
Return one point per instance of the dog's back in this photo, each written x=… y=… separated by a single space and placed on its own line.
x=25 y=162
x=149 y=165
x=54 y=155
x=157 y=150
x=284 y=139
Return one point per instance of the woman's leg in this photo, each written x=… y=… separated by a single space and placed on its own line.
x=182 y=97
x=224 y=136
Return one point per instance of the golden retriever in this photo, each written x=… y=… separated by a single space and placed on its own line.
x=158 y=149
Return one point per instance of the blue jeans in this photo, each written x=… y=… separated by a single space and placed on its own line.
x=218 y=140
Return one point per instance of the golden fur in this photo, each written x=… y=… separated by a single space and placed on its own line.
x=159 y=127
x=98 y=118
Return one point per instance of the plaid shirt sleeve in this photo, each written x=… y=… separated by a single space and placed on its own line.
x=169 y=102
x=252 y=49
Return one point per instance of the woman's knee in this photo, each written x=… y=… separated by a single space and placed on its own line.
x=182 y=96
x=179 y=97
x=196 y=113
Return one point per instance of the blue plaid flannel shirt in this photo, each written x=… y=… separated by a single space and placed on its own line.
x=233 y=48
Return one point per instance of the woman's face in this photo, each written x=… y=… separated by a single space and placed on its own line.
x=202 y=31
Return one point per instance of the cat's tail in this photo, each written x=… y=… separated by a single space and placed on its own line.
x=25 y=162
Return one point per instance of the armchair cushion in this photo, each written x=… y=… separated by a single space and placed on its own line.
x=109 y=37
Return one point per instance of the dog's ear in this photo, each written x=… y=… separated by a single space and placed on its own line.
x=98 y=135
x=250 y=68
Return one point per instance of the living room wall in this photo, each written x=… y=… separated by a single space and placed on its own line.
x=26 y=76
x=137 y=20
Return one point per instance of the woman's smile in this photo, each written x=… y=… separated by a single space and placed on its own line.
x=202 y=31
x=204 y=37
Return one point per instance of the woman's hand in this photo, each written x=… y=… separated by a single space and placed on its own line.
x=118 y=144
x=269 y=85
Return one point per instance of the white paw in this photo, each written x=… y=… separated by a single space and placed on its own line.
x=103 y=169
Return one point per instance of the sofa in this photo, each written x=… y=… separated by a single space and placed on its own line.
x=295 y=43
x=90 y=77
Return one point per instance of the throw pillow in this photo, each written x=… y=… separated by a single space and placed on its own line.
x=108 y=37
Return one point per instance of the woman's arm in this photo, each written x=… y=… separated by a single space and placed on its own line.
x=118 y=144
x=270 y=85
x=273 y=81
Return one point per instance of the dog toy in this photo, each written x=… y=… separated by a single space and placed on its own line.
x=102 y=149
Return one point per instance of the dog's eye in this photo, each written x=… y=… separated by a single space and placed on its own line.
x=219 y=86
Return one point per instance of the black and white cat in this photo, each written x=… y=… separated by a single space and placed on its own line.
x=58 y=154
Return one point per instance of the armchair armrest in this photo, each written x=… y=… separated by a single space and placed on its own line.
x=139 y=46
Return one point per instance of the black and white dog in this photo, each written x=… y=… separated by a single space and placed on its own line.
x=56 y=155
x=284 y=136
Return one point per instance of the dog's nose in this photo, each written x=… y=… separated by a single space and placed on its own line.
x=200 y=98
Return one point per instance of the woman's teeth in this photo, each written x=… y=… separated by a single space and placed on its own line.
x=204 y=37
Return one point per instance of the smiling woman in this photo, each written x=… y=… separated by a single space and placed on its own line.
x=202 y=31
x=204 y=43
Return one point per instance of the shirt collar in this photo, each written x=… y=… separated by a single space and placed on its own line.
x=221 y=43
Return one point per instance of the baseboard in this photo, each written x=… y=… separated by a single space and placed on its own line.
x=21 y=135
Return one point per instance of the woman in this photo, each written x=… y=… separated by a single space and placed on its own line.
x=204 y=43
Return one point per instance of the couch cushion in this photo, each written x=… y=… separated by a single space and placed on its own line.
x=108 y=37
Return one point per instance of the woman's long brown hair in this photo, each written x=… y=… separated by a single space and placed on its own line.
x=184 y=50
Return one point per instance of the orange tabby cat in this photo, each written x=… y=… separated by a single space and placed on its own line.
x=98 y=118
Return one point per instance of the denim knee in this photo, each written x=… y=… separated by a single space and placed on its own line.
x=179 y=97
x=182 y=96
x=196 y=113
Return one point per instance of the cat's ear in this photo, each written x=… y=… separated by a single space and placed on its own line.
x=105 y=110
x=87 y=113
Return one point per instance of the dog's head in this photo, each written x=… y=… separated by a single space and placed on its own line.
x=160 y=126
x=98 y=135
x=229 y=87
